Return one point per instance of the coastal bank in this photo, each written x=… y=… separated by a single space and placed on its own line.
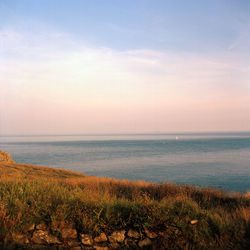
x=48 y=208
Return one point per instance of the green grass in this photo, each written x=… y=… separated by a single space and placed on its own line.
x=37 y=195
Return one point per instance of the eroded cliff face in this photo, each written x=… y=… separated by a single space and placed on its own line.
x=5 y=157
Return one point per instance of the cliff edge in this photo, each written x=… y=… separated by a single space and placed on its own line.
x=5 y=157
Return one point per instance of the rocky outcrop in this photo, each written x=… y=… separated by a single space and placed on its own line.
x=5 y=157
x=67 y=237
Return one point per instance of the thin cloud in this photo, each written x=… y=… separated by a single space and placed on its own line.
x=110 y=87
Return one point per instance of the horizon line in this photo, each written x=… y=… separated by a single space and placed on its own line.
x=127 y=133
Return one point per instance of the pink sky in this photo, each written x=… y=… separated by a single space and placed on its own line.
x=51 y=87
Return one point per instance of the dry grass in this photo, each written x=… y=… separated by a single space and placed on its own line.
x=31 y=194
x=17 y=170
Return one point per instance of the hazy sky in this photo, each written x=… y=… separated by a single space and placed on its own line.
x=124 y=66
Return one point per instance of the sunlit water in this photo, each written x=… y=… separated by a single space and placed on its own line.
x=218 y=160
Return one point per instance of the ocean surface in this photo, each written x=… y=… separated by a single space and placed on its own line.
x=219 y=160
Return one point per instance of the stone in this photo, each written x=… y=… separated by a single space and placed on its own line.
x=117 y=236
x=41 y=226
x=131 y=243
x=114 y=245
x=86 y=239
x=41 y=237
x=5 y=157
x=151 y=235
x=192 y=222
x=100 y=248
x=20 y=239
x=68 y=233
x=73 y=243
x=101 y=238
x=133 y=234
x=144 y=243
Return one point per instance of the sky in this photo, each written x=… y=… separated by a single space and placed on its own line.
x=115 y=66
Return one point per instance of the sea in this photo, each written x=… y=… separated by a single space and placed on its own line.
x=219 y=160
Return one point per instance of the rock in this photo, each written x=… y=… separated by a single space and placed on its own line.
x=192 y=222
x=41 y=226
x=131 y=243
x=145 y=242
x=101 y=238
x=73 y=243
x=150 y=234
x=133 y=234
x=117 y=236
x=40 y=237
x=100 y=248
x=20 y=239
x=5 y=157
x=68 y=233
x=86 y=239
x=114 y=245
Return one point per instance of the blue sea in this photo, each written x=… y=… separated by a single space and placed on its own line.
x=219 y=160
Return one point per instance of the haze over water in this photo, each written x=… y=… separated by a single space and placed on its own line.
x=206 y=159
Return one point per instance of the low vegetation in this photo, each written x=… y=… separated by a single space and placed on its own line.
x=187 y=217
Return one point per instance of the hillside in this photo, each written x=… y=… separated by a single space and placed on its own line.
x=9 y=168
x=48 y=208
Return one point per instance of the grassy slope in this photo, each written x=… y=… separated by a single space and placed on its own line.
x=30 y=171
x=30 y=194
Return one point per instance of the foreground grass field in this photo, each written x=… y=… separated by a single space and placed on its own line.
x=186 y=217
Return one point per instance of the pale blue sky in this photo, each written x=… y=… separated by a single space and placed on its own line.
x=124 y=66
x=198 y=26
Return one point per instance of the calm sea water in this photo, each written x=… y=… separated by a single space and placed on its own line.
x=211 y=159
